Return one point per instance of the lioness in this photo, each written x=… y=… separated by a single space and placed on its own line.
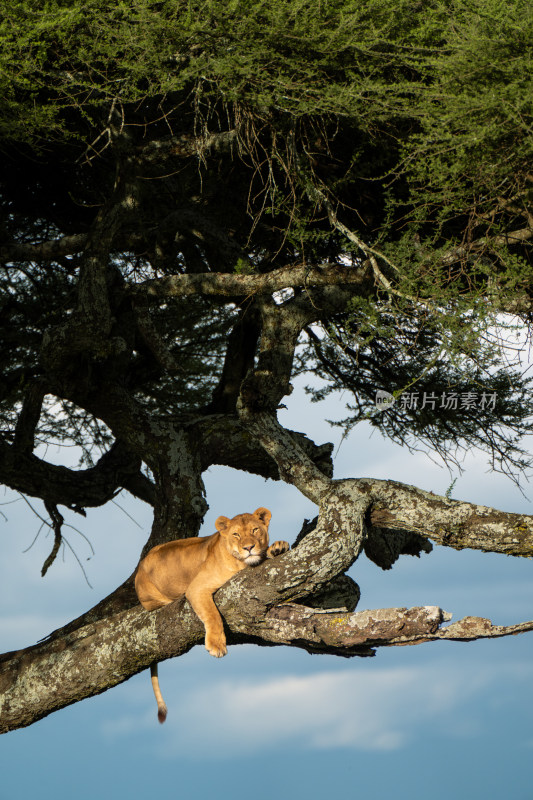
x=197 y=567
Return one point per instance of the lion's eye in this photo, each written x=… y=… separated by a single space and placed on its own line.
x=237 y=534
x=255 y=530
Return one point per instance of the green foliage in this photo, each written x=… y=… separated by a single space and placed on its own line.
x=410 y=121
x=430 y=94
x=243 y=267
x=450 y=489
x=422 y=361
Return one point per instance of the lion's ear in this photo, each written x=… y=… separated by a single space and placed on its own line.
x=263 y=514
x=222 y=523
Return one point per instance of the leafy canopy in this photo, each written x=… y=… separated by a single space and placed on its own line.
x=408 y=123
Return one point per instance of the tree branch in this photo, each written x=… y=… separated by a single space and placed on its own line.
x=265 y=386
x=224 y=440
x=294 y=465
x=43 y=251
x=358 y=633
x=28 y=418
x=43 y=679
x=88 y=329
x=95 y=657
x=507 y=238
x=76 y=489
x=234 y=285
x=238 y=360
x=56 y=523
x=452 y=523
x=153 y=340
x=185 y=146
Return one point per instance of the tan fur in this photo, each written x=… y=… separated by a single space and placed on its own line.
x=199 y=566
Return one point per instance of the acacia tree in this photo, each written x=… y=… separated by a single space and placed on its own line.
x=200 y=200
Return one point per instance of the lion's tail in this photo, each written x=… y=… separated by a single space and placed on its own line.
x=161 y=706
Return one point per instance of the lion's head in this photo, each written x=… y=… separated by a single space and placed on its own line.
x=246 y=535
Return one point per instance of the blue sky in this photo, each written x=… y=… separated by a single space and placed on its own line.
x=433 y=720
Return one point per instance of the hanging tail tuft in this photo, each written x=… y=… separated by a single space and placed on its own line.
x=161 y=706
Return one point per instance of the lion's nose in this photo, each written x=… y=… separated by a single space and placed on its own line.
x=248 y=547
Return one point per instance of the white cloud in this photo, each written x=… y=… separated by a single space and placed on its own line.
x=361 y=709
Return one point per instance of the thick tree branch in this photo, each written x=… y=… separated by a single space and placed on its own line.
x=28 y=418
x=239 y=359
x=294 y=466
x=93 y=658
x=155 y=152
x=154 y=341
x=269 y=383
x=234 y=285
x=141 y=487
x=263 y=389
x=43 y=251
x=224 y=440
x=100 y=656
x=77 y=489
x=170 y=451
x=452 y=523
x=55 y=249
x=358 y=633
x=180 y=493
x=383 y=546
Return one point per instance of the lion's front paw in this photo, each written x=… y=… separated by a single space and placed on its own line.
x=277 y=549
x=216 y=646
